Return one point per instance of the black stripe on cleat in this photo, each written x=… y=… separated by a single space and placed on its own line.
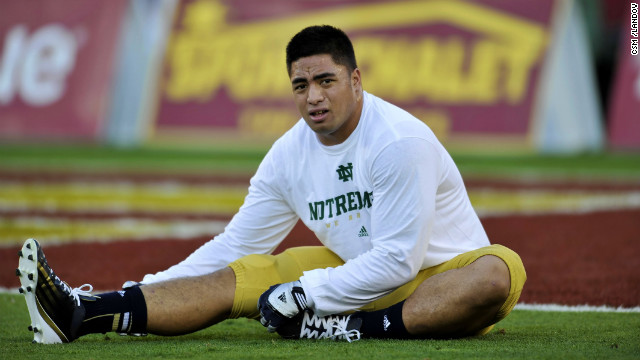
x=29 y=288
x=30 y=257
x=18 y=273
x=20 y=253
x=28 y=245
x=30 y=276
x=21 y=290
x=30 y=328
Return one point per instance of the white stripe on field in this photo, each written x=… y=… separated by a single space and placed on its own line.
x=54 y=230
x=492 y=202
x=576 y=308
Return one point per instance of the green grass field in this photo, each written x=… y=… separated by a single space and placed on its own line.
x=522 y=335
x=246 y=159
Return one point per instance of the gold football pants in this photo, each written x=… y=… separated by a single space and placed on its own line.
x=256 y=273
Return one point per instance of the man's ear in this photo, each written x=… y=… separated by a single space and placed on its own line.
x=356 y=82
x=356 y=78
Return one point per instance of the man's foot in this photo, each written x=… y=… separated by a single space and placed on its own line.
x=55 y=309
x=310 y=326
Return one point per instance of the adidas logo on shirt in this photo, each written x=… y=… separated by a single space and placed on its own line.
x=363 y=232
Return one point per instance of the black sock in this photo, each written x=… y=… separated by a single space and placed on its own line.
x=122 y=311
x=383 y=324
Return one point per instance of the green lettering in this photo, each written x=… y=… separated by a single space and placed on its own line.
x=352 y=201
x=340 y=204
x=359 y=199
x=313 y=209
x=329 y=203
x=368 y=198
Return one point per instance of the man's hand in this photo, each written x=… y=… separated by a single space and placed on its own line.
x=280 y=303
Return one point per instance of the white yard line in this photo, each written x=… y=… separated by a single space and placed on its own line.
x=576 y=308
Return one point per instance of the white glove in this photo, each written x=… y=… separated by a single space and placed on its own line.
x=280 y=303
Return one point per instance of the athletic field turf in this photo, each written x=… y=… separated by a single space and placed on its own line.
x=523 y=335
x=575 y=220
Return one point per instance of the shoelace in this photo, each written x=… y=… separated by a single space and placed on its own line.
x=339 y=327
x=75 y=293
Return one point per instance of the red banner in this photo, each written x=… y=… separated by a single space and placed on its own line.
x=624 y=116
x=55 y=67
x=466 y=68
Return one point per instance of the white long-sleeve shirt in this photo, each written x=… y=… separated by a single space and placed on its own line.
x=389 y=201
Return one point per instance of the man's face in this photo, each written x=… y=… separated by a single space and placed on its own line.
x=328 y=97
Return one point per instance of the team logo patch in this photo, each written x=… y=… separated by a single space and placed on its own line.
x=345 y=173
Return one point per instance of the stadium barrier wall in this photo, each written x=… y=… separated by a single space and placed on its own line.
x=624 y=114
x=56 y=66
x=471 y=70
x=482 y=74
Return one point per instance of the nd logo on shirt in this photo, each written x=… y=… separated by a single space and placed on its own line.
x=341 y=204
x=345 y=173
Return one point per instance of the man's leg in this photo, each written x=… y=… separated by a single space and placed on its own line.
x=186 y=305
x=62 y=314
x=461 y=297
x=189 y=304
x=182 y=305
x=458 y=302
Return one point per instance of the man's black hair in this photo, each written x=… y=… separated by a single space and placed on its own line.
x=322 y=39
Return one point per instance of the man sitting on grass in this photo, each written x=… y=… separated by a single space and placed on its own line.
x=404 y=254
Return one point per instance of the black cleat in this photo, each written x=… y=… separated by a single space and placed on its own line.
x=55 y=309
